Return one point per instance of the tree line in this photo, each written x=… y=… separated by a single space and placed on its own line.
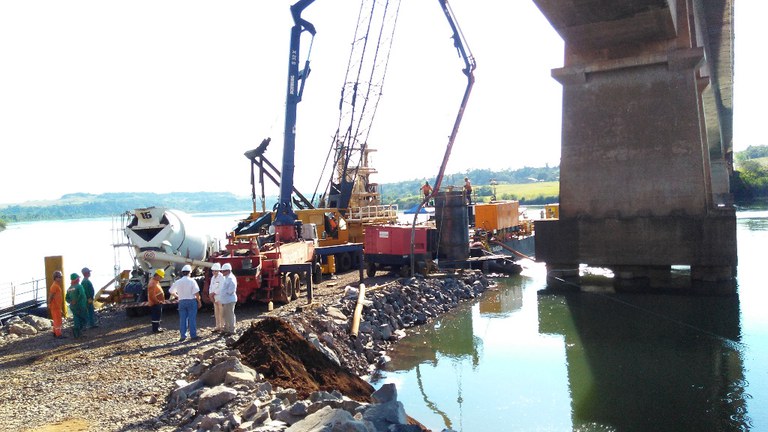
x=749 y=183
x=750 y=179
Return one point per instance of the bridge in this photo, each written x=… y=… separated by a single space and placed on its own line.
x=646 y=144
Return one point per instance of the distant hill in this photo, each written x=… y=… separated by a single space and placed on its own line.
x=406 y=193
x=82 y=205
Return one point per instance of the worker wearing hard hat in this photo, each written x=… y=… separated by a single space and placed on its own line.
x=77 y=304
x=56 y=303
x=228 y=298
x=188 y=293
x=214 y=288
x=89 y=293
x=155 y=298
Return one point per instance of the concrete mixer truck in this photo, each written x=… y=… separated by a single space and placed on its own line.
x=161 y=238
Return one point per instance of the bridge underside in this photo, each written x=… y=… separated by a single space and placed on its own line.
x=646 y=142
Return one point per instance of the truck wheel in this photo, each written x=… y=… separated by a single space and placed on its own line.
x=296 y=286
x=370 y=270
x=405 y=271
x=345 y=262
x=286 y=293
x=317 y=273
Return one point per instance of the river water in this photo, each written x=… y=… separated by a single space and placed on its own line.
x=80 y=243
x=522 y=359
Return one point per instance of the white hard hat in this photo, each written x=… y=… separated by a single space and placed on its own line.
x=216 y=266
x=226 y=266
x=186 y=268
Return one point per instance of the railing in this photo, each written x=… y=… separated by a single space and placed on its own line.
x=17 y=297
x=373 y=213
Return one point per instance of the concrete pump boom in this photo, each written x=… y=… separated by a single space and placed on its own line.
x=469 y=67
x=285 y=217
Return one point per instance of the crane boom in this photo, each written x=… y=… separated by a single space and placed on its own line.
x=469 y=67
x=285 y=217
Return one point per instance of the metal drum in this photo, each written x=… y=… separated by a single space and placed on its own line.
x=452 y=226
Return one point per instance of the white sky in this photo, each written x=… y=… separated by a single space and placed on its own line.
x=164 y=96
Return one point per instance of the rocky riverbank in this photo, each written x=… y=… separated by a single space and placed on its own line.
x=268 y=377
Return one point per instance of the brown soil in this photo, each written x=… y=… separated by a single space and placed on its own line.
x=277 y=351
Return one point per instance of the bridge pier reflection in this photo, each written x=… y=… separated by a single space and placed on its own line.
x=637 y=363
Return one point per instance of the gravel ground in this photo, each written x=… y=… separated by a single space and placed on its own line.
x=120 y=373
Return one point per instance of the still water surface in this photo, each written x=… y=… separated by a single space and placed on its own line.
x=80 y=243
x=523 y=359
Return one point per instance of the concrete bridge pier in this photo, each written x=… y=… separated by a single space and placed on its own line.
x=646 y=139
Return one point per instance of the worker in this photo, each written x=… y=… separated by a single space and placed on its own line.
x=214 y=289
x=56 y=303
x=155 y=298
x=186 y=290
x=228 y=298
x=426 y=190
x=77 y=304
x=89 y=293
x=467 y=190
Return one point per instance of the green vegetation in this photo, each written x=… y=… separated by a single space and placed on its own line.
x=531 y=193
x=528 y=185
x=80 y=205
x=531 y=185
x=750 y=177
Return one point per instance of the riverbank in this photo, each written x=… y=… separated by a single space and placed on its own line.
x=122 y=377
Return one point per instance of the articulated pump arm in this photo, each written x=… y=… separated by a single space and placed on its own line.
x=285 y=217
x=469 y=67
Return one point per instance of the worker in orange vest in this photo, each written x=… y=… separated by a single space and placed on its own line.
x=56 y=303
x=155 y=298
x=426 y=190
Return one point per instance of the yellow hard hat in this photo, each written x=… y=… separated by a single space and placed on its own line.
x=160 y=272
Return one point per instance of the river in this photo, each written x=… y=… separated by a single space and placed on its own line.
x=523 y=359
x=80 y=243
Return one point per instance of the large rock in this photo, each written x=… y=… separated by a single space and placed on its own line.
x=22 y=329
x=383 y=415
x=40 y=324
x=217 y=374
x=329 y=419
x=213 y=398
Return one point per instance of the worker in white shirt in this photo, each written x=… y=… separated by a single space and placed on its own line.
x=214 y=293
x=188 y=292
x=228 y=298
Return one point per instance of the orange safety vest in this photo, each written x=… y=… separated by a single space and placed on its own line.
x=155 y=294
x=55 y=305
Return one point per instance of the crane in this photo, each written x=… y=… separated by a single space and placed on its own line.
x=285 y=218
x=469 y=67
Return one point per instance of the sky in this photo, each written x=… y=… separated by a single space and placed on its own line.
x=166 y=96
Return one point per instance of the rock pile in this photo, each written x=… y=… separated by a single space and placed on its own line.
x=285 y=374
x=28 y=325
x=228 y=395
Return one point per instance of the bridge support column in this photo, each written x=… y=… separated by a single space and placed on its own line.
x=640 y=189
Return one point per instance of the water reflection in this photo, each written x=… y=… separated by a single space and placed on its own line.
x=650 y=362
x=525 y=359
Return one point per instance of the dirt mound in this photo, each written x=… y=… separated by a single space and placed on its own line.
x=276 y=350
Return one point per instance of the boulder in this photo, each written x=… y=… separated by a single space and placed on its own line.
x=22 y=329
x=40 y=324
x=217 y=374
x=331 y=419
x=213 y=398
